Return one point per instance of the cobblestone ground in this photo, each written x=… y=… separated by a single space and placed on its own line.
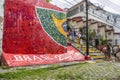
x=106 y=70
x=95 y=71
x=89 y=71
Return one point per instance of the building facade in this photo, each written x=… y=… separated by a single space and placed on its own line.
x=102 y=22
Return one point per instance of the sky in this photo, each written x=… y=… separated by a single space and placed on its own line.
x=1 y=7
x=109 y=5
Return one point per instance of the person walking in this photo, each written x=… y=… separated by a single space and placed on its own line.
x=107 y=51
x=116 y=51
x=73 y=36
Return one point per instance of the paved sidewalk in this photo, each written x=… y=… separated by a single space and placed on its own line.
x=39 y=66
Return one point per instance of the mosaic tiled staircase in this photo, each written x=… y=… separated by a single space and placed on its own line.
x=94 y=53
x=35 y=34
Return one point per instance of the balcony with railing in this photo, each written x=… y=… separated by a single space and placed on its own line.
x=105 y=17
x=97 y=14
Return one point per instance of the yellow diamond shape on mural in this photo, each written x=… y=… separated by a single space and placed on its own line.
x=59 y=24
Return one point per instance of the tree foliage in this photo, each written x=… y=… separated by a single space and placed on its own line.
x=48 y=0
x=103 y=40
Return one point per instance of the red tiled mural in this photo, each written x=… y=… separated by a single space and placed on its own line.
x=35 y=33
x=29 y=28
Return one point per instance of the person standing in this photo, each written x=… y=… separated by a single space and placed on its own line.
x=73 y=35
x=116 y=51
x=105 y=51
x=108 y=52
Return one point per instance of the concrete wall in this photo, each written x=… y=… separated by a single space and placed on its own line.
x=80 y=24
x=102 y=31
x=94 y=26
x=110 y=36
x=116 y=37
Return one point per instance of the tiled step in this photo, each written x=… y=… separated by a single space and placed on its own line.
x=94 y=53
x=99 y=60
x=97 y=57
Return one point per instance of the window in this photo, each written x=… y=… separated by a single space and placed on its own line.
x=109 y=33
x=108 y=17
x=73 y=12
x=81 y=7
x=76 y=10
x=93 y=11
x=98 y=30
x=116 y=41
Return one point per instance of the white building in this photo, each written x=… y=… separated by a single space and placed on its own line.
x=116 y=38
x=100 y=17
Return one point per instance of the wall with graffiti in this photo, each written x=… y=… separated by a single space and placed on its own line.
x=34 y=27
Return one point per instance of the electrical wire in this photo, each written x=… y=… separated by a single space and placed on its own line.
x=64 y=3
x=69 y=2
x=60 y=4
x=75 y=1
x=109 y=4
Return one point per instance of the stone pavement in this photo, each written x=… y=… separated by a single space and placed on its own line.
x=38 y=66
x=106 y=70
x=103 y=70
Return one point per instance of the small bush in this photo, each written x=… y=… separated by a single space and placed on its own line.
x=0 y=61
x=5 y=67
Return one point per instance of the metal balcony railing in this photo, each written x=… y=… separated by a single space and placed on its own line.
x=103 y=17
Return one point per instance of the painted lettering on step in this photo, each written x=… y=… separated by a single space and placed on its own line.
x=60 y=57
x=18 y=58
x=26 y=58
x=35 y=58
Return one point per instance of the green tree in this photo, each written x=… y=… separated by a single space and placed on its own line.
x=91 y=34
x=103 y=40
x=48 y=0
x=68 y=28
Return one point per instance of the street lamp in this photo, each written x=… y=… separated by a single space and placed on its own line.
x=87 y=36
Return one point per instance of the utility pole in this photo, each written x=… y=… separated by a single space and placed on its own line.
x=87 y=36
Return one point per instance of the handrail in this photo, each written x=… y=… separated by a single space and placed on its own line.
x=77 y=49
